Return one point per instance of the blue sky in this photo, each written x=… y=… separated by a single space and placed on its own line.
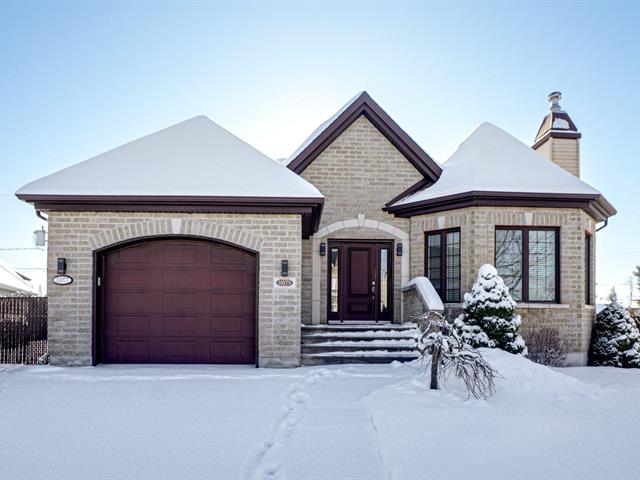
x=80 y=78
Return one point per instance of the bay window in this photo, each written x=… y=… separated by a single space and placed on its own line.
x=528 y=260
x=442 y=263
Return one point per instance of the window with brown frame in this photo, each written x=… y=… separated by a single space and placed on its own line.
x=587 y=270
x=442 y=262
x=528 y=260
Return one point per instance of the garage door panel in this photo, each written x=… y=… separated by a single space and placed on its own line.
x=231 y=280
x=231 y=351
x=132 y=255
x=229 y=303
x=226 y=325
x=179 y=301
x=179 y=351
x=128 y=325
x=133 y=278
x=129 y=351
x=130 y=302
x=179 y=279
x=180 y=254
x=185 y=325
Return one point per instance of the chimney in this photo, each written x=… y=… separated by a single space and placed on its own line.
x=558 y=138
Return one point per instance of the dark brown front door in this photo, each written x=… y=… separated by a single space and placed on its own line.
x=178 y=301
x=360 y=280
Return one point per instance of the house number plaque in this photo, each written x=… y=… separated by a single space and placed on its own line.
x=62 y=280
x=284 y=282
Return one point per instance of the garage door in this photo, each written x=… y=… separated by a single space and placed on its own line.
x=178 y=301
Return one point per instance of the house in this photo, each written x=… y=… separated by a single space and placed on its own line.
x=13 y=283
x=190 y=246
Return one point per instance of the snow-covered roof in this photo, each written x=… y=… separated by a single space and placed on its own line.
x=12 y=280
x=491 y=160
x=196 y=157
x=321 y=128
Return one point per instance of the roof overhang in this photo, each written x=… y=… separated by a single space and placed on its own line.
x=594 y=204
x=310 y=208
x=365 y=105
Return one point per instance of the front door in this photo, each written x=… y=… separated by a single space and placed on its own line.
x=359 y=280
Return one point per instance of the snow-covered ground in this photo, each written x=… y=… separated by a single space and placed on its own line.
x=339 y=422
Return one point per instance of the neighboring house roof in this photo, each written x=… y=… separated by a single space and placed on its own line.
x=195 y=165
x=491 y=167
x=362 y=104
x=12 y=280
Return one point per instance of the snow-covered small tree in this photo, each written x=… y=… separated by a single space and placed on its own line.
x=613 y=295
x=615 y=339
x=445 y=351
x=489 y=318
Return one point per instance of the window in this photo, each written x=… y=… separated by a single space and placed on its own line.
x=587 y=270
x=384 y=280
x=527 y=259
x=442 y=263
x=334 y=279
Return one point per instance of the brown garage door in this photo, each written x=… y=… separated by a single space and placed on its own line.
x=178 y=301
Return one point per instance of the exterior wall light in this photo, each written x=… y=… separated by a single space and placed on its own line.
x=323 y=249
x=399 y=249
x=62 y=265
x=285 y=268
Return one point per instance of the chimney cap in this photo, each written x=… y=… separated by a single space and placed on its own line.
x=554 y=98
x=556 y=123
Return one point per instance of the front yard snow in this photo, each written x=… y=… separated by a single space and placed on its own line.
x=340 y=422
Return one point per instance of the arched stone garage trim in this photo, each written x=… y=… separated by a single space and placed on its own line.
x=176 y=226
x=362 y=222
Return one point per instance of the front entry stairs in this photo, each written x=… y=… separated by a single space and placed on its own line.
x=359 y=343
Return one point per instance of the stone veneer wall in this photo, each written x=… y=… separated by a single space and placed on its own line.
x=358 y=174
x=477 y=230
x=76 y=235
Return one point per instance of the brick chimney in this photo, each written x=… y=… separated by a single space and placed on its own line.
x=558 y=138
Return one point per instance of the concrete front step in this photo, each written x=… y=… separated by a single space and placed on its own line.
x=362 y=325
x=357 y=347
x=357 y=357
x=358 y=343
x=357 y=336
x=358 y=327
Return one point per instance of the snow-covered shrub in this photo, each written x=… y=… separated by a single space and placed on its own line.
x=615 y=339
x=489 y=318
x=547 y=346
x=445 y=351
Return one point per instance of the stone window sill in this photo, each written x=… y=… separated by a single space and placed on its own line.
x=543 y=305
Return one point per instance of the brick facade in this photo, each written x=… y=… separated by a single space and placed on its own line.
x=77 y=235
x=358 y=174
x=477 y=230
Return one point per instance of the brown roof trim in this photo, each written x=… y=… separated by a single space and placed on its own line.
x=365 y=105
x=555 y=134
x=594 y=204
x=309 y=207
x=425 y=182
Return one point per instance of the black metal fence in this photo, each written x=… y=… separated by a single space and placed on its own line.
x=23 y=329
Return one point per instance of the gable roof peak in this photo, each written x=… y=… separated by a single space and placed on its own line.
x=363 y=104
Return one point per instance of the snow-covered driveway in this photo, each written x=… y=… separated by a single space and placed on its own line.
x=340 y=422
